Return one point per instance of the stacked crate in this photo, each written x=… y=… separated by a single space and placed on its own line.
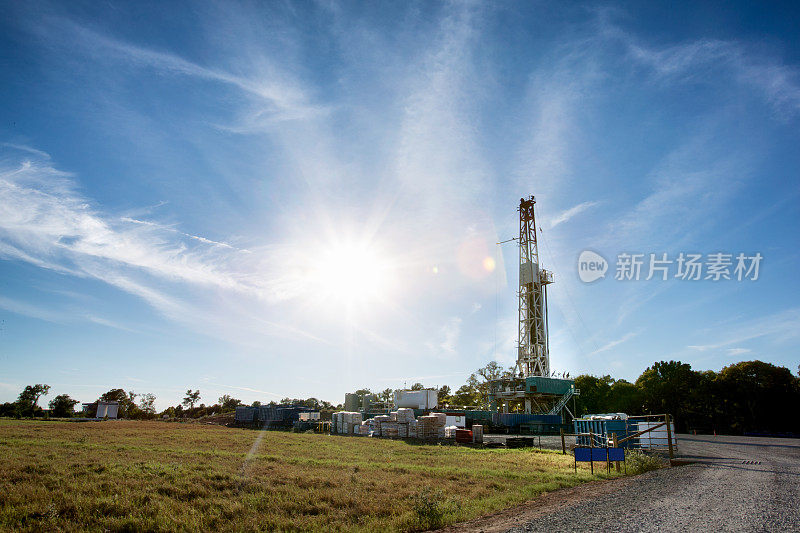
x=379 y=422
x=404 y=415
x=441 y=423
x=355 y=423
x=390 y=429
x=404 y=418
x=346 y=423
x=428 y=427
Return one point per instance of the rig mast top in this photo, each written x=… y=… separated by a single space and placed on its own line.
x=533 y=357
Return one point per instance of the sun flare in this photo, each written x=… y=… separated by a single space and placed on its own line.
x=353 y=274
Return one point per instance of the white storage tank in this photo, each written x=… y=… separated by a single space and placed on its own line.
x=416 y=399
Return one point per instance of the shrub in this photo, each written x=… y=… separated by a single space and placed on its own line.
x=430 y=508
x=638 y=462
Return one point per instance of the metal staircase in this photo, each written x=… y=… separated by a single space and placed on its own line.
x=562 y=402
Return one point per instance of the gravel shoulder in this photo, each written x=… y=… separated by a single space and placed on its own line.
x=732 y=484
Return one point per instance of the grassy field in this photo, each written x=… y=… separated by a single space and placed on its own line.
x=157 y=476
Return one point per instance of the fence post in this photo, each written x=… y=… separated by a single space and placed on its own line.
x=669 y=437
x=563 y=444
x=616 y=445
x=591 y=451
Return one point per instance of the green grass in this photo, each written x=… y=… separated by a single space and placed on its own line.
x=156 y=476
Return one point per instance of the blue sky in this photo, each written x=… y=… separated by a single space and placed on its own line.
x=300 y=199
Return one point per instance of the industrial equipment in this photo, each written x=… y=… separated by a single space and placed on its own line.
x=532 y=388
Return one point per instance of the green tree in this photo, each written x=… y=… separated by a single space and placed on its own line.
x=595 y=394
x=228 y=403
x=466 y=395
x=417 y=386
x=386 y=395
x=752 y=394
x=624 y=397
x=8 y=409
x=28 y=400
x=147 y=404
x=666 y=388
x=126 y=401
x=191 y=398
x=63 y=406
x=478 y=382
x=444 y=395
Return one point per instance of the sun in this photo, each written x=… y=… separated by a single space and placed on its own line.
x=353 y=274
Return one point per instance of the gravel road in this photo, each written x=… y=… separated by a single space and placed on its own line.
x=736 y=484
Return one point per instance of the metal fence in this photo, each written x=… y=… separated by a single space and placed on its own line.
x=650 y=432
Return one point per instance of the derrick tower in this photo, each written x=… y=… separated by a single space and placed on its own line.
x=533 y=357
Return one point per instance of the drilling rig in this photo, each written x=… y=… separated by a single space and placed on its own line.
x=533 y=357
x=531 y=388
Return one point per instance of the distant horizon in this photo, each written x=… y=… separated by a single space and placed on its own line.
x=53 y=393
x=293 y=200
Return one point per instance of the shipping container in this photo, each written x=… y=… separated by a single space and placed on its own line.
x=513 y=420
x=544 y=385
x=244 y=414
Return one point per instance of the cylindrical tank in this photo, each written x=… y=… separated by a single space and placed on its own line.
x=352 y=402
x=367 y=400
x=416 y=399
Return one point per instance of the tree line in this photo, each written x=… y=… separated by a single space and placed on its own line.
x=132 y=405
x=745 y=397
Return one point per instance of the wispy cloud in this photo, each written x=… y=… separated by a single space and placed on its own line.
x=244 y=389
x=44 y=218
x=606 y=347
x=697 y=173
x=168 y=228
x=450 y=333
x=777 y=327
x=109 y=323
x=702 y=59
x=33 y=311
x=567 y=214
x=45 y=221
x=707 y=60
x=282 y=98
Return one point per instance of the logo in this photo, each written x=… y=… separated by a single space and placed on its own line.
x=591 y=266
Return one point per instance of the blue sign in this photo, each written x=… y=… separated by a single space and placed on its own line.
x=616 y=454
x=590 y=454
